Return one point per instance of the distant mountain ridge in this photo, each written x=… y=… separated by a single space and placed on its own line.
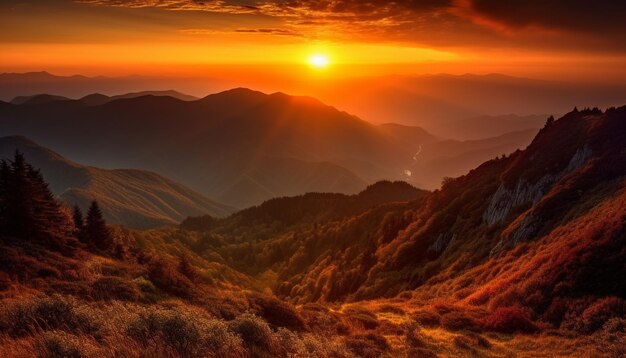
x=134 y=198
x=243 y=146
x=448 y=105
x=97 y=99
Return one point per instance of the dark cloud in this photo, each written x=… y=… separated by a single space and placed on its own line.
x=429 y=22
x=596 y=16
x=281 y=32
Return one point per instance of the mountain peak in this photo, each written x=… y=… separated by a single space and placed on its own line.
x=38 y=99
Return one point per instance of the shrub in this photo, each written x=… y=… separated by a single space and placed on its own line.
x=320 y=320
x=421 y=353
x=145 y=285
x=370 y=345
x=5 y=281
x=427 y=318
x=277 y=313
x=362 y=318
x=391 y=309
x=615 y=325
x=184 y=333
x=146 y=327
x=54 y=312
x=218 y=339
x=457 y=320
x=57 y=344
x=181 y=335
x=26 y=316
x=509 y=320
x=471 y=341
x=111 y=287
x=292 y=346
x=16 y=318
x=413 y=338
x=255 y=332
x=597 y=314
x=167 y=278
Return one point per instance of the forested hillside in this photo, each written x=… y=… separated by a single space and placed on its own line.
x=524 y=255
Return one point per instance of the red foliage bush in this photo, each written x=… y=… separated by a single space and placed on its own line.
x=509 y=320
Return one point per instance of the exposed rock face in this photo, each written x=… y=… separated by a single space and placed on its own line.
x=504 y=199
x=526 y=229
x=443 y=241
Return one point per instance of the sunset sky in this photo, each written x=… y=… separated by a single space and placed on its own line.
x=584 y=40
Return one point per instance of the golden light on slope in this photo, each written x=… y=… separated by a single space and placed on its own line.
x=319 y=61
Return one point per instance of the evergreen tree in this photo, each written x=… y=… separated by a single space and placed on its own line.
x=5 y=174
x=28 y=209
x=97 y=234
x=79 y=222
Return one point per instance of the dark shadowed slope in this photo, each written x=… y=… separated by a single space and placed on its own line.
x=134 y=198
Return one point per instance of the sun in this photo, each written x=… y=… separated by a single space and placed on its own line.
x=319 y=61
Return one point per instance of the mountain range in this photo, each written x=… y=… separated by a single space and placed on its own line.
x=242 y=147
x=463 y=107
x=98 y=99
x=129 y=197
x=448 y=105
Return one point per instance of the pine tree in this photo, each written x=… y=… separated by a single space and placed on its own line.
x=79 y=223
x=97 y=234
x=5 y=174
x=28 y=209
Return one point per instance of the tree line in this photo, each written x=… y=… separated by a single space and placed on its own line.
x=30 y=212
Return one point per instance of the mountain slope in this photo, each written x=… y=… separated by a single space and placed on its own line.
x=523 y=256
x=134 y=198
x=531 y=230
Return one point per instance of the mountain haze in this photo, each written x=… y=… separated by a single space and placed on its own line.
x=240 y=146
x=134 y=198
x=445 y=104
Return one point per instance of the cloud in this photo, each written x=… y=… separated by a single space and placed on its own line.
x=430 y=22
x=594 y=16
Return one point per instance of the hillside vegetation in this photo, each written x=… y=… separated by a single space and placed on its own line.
x=523 y=256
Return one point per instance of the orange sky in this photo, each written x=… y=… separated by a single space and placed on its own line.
x=264 y=39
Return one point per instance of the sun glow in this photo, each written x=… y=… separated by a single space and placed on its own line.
x=319 y=61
